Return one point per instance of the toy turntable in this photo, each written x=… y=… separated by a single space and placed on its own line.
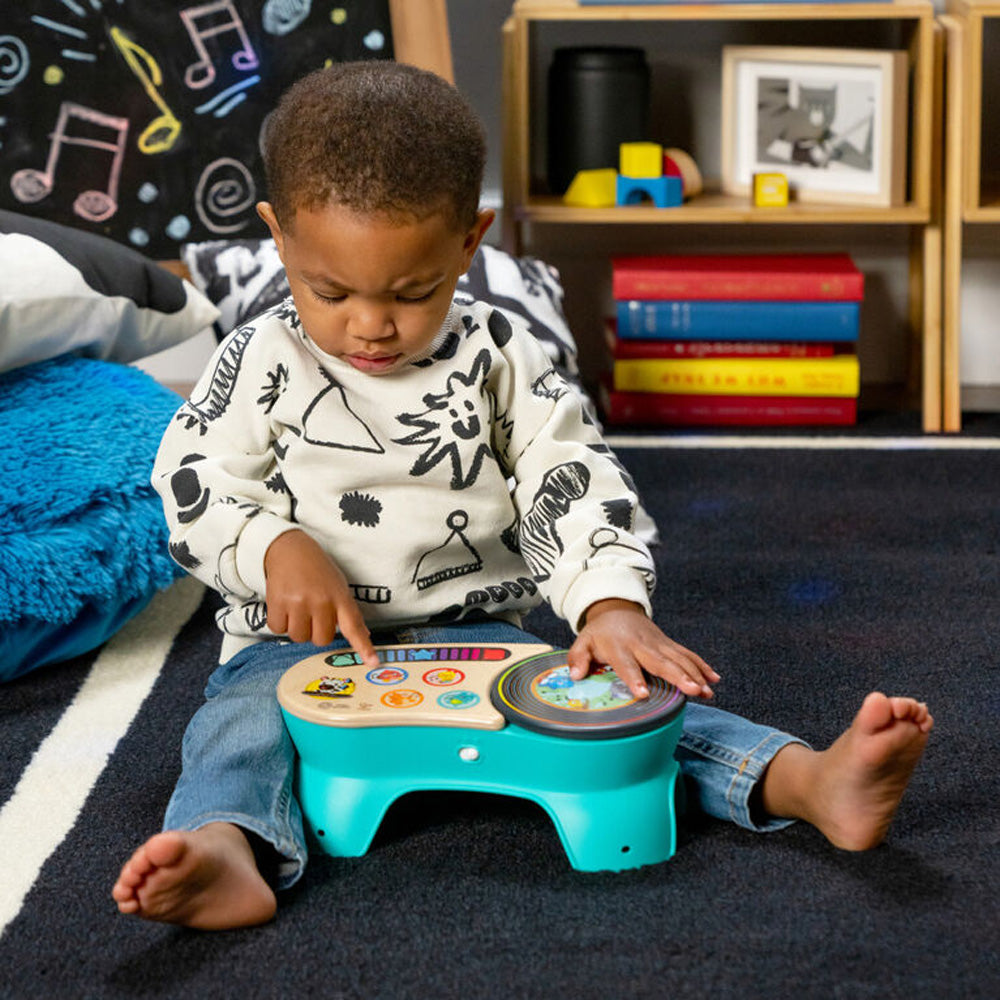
x=506 y=719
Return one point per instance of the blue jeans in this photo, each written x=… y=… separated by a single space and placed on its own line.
x=239 y=761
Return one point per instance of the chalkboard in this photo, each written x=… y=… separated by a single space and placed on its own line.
x=139 y=119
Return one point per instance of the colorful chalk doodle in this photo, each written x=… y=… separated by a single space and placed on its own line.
x=140 y=119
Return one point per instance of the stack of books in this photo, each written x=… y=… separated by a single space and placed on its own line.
x=758 y=339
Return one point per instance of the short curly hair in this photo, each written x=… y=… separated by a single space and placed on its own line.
x=378 y=137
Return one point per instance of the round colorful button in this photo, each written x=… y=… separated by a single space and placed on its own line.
x=444 y=676
x=402 y=698
x=458 y=699
x=387 y=675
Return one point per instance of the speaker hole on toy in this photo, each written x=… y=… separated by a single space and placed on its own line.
x=321 y=833
x=626 y=849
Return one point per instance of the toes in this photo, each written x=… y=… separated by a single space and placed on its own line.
x=911 y=710
x=904 y=708
x=128 y=881
x=876 y=712
x=121 y=893
x=138 y=867
x=164 y=849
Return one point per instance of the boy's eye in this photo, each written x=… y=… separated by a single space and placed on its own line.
x=329 y=298
x=417 y=298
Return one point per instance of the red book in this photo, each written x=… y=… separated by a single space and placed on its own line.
x=779 y=277
x=676 y=410
x=622 y=348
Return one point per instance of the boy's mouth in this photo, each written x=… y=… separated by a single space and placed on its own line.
x=372 y=364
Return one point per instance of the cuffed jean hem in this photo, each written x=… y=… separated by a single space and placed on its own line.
x=723 y=757
x=292 y=856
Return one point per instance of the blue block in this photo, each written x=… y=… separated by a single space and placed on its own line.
x=664 y=192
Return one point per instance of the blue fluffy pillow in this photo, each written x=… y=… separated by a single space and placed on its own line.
x=82 y=532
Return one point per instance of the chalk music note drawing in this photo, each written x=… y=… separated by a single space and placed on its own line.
x=31 y=185
x=202 y=73
x=161 y=133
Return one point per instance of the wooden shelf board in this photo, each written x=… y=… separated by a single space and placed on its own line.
x=569 y=10
x=983 y=213
x=720 y=209
x=974 y=8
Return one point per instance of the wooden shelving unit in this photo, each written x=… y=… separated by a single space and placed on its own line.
x=972 y=179
x=913 y=27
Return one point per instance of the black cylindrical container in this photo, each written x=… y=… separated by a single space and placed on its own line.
x=598 y=99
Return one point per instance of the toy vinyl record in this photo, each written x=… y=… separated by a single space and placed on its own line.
x=539 y=694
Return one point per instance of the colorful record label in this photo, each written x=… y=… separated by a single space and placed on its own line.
x=599 y=691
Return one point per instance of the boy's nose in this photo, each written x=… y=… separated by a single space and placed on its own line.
x=370 y=323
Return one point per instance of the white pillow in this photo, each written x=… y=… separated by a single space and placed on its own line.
x=66 y=291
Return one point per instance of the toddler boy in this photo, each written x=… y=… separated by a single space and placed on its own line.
x=370 y=459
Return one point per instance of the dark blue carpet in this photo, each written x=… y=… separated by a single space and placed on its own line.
x=807 y=578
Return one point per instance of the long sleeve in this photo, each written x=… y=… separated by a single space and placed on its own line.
x=216 y=472
x=576 y=502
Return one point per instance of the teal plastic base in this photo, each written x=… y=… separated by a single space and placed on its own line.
x=612 y=801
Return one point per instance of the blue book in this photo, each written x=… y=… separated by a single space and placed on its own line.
x=711 y=319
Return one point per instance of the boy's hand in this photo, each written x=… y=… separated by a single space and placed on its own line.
x=308 y=597
x=619 y=634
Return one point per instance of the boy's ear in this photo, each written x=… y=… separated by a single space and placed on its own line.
x=484 y=219
x=266 y=211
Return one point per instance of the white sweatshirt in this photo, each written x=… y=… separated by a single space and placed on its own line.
x=469 y=479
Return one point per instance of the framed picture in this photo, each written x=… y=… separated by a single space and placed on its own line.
x=833 y=121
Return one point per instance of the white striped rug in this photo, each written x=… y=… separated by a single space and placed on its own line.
x=47 y=800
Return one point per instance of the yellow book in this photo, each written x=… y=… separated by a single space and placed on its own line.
x=834 y=376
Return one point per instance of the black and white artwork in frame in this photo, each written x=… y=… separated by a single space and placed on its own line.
x=833 y=121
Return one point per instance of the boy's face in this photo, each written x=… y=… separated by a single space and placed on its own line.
x=370 y=291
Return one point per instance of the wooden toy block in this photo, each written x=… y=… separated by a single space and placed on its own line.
x=770 y=190
x=677 y=163
x=640 y=159
x=664 y=192
x=592 y=189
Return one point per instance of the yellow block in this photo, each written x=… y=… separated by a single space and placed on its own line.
x=640 y=159
x=770 y=190
x=592 y=189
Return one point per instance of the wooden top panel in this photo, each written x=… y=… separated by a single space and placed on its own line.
x=433 y=684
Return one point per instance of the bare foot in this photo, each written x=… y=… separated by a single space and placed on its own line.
x=851 y=790
x=206 y=878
